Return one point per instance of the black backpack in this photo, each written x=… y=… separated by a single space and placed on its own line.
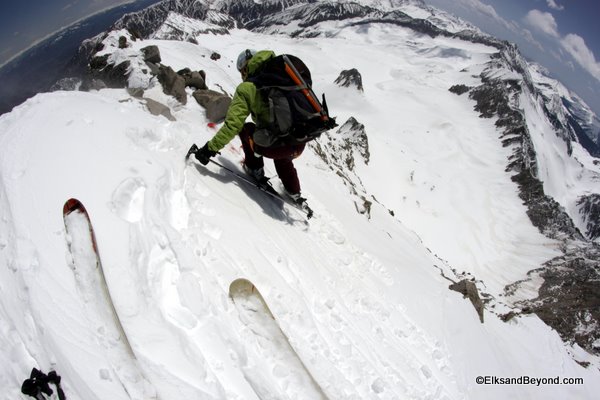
x=296 y=114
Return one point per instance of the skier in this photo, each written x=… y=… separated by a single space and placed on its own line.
x=247 y=100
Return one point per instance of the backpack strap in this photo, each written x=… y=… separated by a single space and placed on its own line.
x=306 y=90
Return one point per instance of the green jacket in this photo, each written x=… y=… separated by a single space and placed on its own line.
x=246 y=101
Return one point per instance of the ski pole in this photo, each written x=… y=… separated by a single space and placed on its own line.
x=305 y=209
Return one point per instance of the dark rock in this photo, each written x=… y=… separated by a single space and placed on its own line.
x=215 y=56
x=354 y=137
x=469 y=290
x=134 y=34
x=157 y=108
x=195 y=79
x=113 y=76
x=459 y=89
x=154 y=68
x=216 y=104
x=122 y=42
x=508 y=316
x=172 y=83
x=340 y=151
x=151 y=54
x=569 y=298
x=136 y=92
x=589 y=208
x=99 y=62
x=350 y=77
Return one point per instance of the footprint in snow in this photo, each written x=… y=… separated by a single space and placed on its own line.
x=128 y=199
x=151 y=139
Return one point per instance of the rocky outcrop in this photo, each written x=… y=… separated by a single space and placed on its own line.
x=459 y=89
x=172 y=83
x=494 y=99
x=589 y=209
x=151 y=54
x=195 y=79
x=111 y=75
x=147 y=21
x=569 y=298
x=157 y=108
x=215 y=103
x=469 y=290
x=342 y=151
x=350 y=78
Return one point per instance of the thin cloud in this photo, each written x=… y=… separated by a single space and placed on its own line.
x=69 y=5
x=573 y=44
x=554 y=5
x=576 y=47
x=543 y=22
x=490 y=12
x=529 y=37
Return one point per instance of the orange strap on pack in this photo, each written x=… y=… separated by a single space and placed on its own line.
x=293 y=73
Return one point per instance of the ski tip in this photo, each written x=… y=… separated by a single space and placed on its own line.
x=241 y=287
x=73 y=205
x=191 y=151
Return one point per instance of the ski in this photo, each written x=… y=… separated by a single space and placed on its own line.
x=273 y=345
x=90 y=278
x=265 y=187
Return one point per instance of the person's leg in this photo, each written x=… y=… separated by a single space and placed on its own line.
x=288 y=174
x=251 y=161
x=284 y=165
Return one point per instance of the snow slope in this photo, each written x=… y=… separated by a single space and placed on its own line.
x=364 y=302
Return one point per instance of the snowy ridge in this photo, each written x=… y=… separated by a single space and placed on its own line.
x=364 y=301
x=178 y=27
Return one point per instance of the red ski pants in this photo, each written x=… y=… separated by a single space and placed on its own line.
x=282 y=156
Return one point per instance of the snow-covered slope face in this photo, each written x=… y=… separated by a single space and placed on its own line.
x=364 y=302
x=565 y=104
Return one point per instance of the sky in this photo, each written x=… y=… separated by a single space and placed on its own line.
x=562 y=35
x=23 y=23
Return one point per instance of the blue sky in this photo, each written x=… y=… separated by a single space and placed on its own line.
x=562 y=35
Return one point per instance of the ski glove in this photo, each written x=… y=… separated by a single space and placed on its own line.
x=204 y=154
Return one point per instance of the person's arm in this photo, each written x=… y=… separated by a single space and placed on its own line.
x=238 y=111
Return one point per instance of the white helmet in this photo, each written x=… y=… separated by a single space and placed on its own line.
x=244 y=57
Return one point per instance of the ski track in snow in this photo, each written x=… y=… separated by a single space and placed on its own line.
x=361 y=302
x=320 y=347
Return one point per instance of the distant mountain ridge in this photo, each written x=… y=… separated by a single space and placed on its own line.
x=577 y=121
